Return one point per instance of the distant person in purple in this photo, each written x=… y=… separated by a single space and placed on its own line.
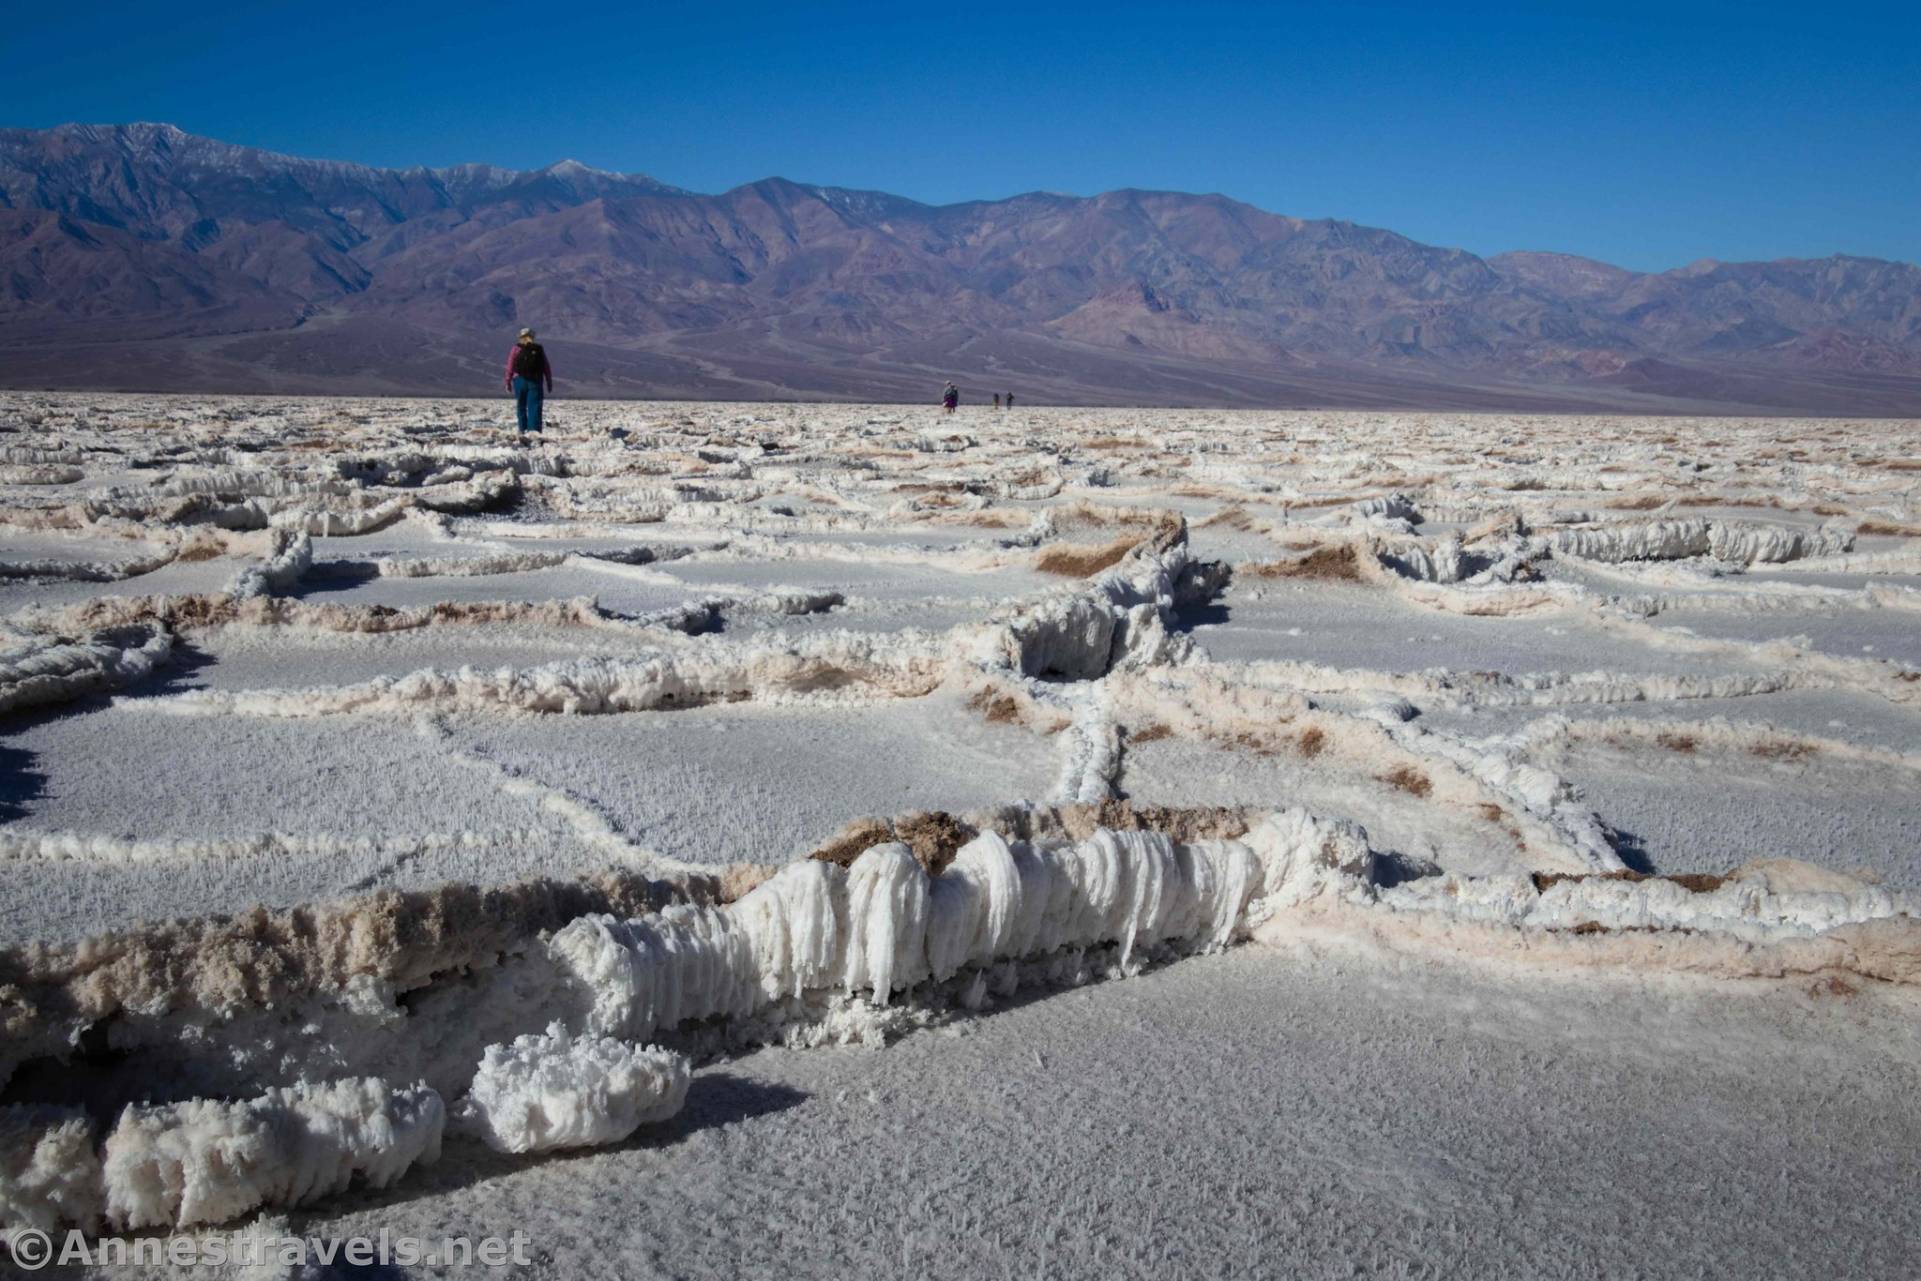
x=529 y=377
x=949 y=397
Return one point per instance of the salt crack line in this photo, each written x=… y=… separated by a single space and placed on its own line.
x=589 y=822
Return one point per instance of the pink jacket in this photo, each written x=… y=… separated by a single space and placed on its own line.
x=513 y=352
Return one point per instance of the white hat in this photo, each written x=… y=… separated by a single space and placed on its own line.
x=526 y=333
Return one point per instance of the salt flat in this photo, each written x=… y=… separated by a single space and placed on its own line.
x=345 y=740
x=1251 y=1116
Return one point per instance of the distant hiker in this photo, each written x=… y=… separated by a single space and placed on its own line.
x=529 y=377
x=1010 y=400
x=997 y=400
x=949 y=397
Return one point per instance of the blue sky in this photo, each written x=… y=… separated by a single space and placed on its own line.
x=1647 y=135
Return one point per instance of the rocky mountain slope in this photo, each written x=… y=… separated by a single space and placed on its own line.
x=141 y=257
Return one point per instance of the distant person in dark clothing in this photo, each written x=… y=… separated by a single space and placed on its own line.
x=529 y=377
x=949 y=397
x=997 y=400
x=1010 y=400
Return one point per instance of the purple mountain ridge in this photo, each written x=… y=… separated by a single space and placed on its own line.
x=139 y=257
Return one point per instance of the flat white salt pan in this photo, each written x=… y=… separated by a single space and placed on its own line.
x=615 y=592
x=1712 y=811
x=1255 y=1115
x=1172 y=772
x=874 y=580
x=1842 y=714
x=1846 y=581
x=401 y=538
x=71 y=546
x=865 y=615
x=175 y=578
x=763 y=784
x=1369 y=627
x=236 y=658
x=1892 y=634
x=917 y=536
x=416 y=817
x=122 y=771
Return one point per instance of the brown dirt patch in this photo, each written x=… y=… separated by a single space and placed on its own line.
x=1227 y=518
x=1324 y=564
x=1313 y=741
x=854 y=840
x=987 y=519
x=175 y=613
x=1409 y=780
x=1199 y=823
x=1692 y=882
x=1149 y=733
x=1781 y=749
x=1107 y=516
x=996 y=709
x=1685 y=744
x=1081 y=560
x=200 y=547
x=933 y=835
x=1245 y=742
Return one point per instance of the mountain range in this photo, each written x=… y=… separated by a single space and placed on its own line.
x=139 y=257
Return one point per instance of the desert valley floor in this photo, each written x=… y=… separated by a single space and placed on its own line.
x=1052 y=843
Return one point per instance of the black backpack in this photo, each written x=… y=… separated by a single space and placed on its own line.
x=530 y=362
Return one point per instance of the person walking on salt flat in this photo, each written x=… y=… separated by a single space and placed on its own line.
x=949 y=397
x=529 y=377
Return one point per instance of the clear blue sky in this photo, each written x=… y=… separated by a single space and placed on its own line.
x=1647 y=135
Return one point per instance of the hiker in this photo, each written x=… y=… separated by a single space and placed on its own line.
x=997 y=400
x=1010 y=400
x=950 y=397
x=529 y=377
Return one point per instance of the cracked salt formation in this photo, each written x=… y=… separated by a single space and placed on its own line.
x=37 y=668
x=505 y=763
x=176 y=1165
x=49 y=1170
x=1734 y=542
x=555 y=1091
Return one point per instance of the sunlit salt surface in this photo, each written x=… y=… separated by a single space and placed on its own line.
x=371 y=776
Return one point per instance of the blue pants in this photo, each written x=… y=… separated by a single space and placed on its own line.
x=527 y=402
